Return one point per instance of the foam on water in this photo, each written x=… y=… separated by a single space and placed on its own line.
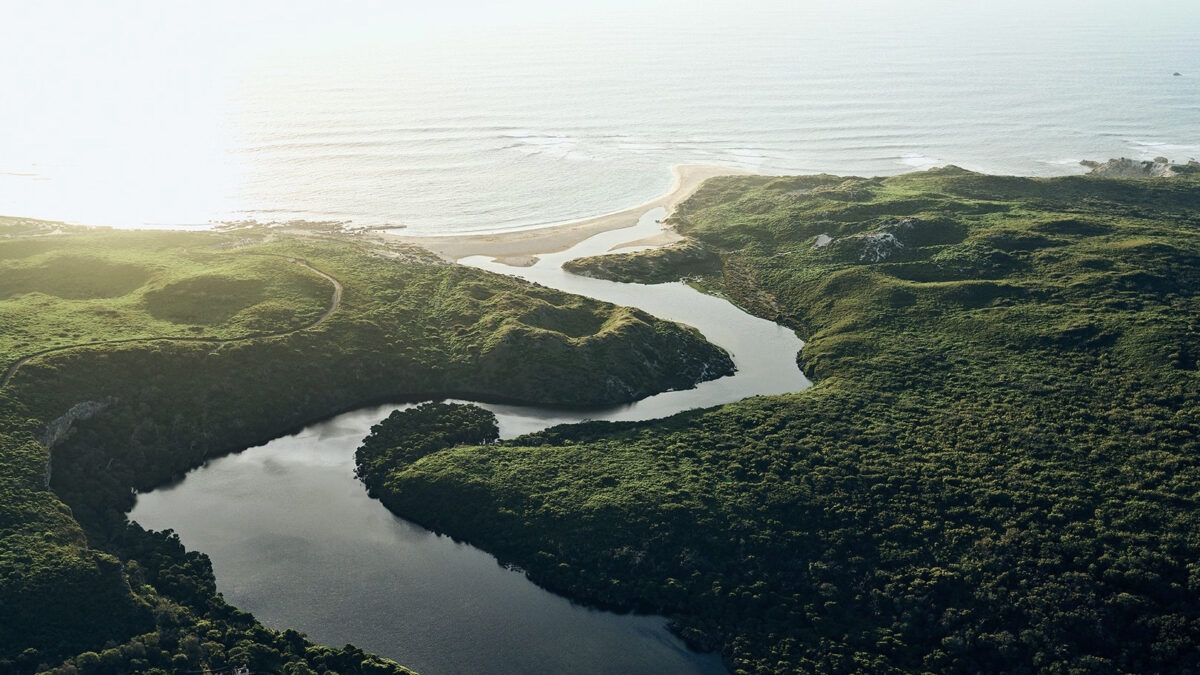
x=490 y=119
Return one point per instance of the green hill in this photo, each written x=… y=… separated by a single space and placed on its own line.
x=130 y=357
x=997 y=471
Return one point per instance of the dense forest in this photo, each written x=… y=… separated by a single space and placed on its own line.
x=998 y=469
x=131 y=357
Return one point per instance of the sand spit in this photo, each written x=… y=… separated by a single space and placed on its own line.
x=521 y=246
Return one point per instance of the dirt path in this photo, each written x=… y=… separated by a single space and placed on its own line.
x=335 y=302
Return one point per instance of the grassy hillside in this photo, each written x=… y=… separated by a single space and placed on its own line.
x=134 y=356
x=998 y=470
x=61 y=290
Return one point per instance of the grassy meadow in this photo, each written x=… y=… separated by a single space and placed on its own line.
x=59 y=291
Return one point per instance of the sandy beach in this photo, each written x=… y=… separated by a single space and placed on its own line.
x=519 y=247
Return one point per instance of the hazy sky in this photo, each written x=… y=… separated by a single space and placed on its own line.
x=128 y=88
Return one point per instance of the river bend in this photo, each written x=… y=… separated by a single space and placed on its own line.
x=295 y=539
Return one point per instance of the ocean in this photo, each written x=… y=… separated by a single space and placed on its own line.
x=478 y=116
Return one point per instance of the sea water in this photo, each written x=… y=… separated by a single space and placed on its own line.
x=473 y=116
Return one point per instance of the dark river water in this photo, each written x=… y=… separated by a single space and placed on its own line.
x=295 y=539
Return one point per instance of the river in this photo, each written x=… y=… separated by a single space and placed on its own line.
x=295 y=539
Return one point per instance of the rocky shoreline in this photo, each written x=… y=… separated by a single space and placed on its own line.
x=1159 y=167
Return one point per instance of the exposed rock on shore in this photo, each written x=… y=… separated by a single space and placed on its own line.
x=1159 y=167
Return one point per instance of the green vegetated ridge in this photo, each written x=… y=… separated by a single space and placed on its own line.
x=669 y=263
x=190 y=345
x=997 y=470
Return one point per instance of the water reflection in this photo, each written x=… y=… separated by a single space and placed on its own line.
x=295 y=539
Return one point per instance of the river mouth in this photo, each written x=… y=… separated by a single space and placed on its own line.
x=295 y=539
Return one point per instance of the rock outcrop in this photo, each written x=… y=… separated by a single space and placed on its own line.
x=60 y=428
x=1159 y=167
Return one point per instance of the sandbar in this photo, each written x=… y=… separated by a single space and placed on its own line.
x=519 y=247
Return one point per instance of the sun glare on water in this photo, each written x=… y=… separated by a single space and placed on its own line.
x=139 y=114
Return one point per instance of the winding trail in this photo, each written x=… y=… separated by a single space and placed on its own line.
x=334 y=304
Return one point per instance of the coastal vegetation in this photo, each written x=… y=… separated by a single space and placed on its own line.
x=131 y=357
x=669 y=263
x=997 y=471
